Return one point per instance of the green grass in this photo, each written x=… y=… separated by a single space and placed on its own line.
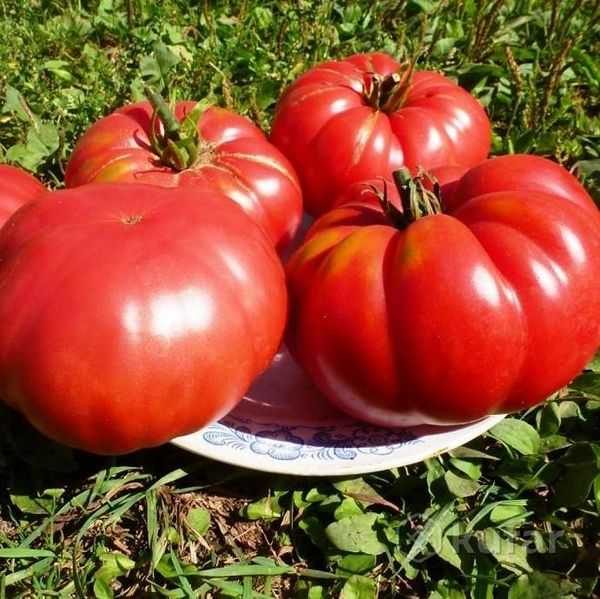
x=514 y=515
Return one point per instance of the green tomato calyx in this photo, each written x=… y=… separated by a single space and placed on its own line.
x=417 y=199
x=178 y=145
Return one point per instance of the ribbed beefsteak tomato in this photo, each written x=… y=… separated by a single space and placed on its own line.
x=214 y=147
x=366 y=116
x=446 y=318
x=17 y=187
x=132 y=314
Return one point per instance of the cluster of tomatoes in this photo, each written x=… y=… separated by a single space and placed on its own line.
x=435 y=286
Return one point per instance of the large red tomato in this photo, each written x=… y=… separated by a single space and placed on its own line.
x=17 y=187
x=231 y=154
x=446 y=318
x=132 y=314
x=362 y=117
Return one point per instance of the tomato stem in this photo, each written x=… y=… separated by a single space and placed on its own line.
x=399 y=91
x=388 y=93
x=416 y=199
x=180 y=147
x=161 y=108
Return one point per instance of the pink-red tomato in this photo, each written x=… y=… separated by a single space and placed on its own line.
x=17 y=187
x=235 y=158
x=355 y=119
x=487 y=308
x=132 y=314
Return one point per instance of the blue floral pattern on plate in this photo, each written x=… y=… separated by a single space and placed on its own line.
x=307 y=442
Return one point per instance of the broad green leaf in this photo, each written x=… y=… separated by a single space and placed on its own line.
x=518 y=435
x=435 y=476
x=150 y=71
x=459 y=486
x=440 y=539
x=534 y=586
x=592 y=405
x=473 y=471
x=554 y=442
x=447 y=552
x=571 y=409
x=298 y=499
x=32 y=505
x=443 y=46
x=359 y=587
x=20 y=154
x=15 y=103
x=165 y=58
x=198 y=519
x=166 y=568
x=102 y=589
x=581 y=465
x=511 y=555
x=267 y=508
x=549 y=419
x=465 y=452
x=358 y=563
x=173 y=535
x=436 y=523
x=505 y=512
x=42 y=142
x=54 y=493
x=359 y=489
x=348 y=507
x=267 y=93
x=43 y=139
x=356 y=534
x=113 y=565
x=315 y=530
x=315 y=496
x=408 y=570
x=316 y=592
x=58 y=68
x=487 y=509
x=155 y=68
x=305 y=589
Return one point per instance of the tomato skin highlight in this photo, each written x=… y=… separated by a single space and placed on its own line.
x=334 y=136
x=488 y=308
x=17 y=187
x=133 y=313
x=238 y=161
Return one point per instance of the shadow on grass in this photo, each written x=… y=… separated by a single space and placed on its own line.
x=31 y=463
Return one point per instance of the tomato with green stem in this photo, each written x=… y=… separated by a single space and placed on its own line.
x=197 y=147
x=409 y=308
x=365 y=116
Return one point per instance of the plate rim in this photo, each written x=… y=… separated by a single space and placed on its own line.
x=305 y=468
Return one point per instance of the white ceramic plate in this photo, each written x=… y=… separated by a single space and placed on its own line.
x=284 y=425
